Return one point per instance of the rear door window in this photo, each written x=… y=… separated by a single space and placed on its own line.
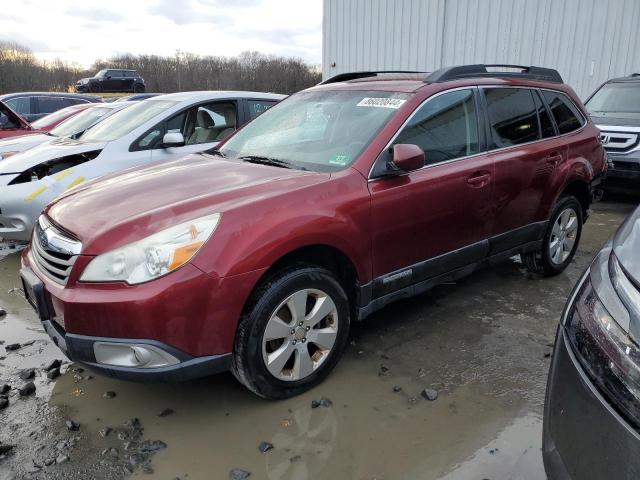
x=567 y=116
x=512 y=116
x=51 y=104
x=445 y=127
x=256 y=107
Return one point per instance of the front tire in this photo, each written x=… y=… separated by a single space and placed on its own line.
x=292 y=333
x=95 y=88
x=560 y=241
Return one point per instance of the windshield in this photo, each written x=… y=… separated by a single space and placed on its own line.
x=616 y=97
x=80 y=122
x=125 y=121
x=322 y=130
x=54 y=117
x=100 y=73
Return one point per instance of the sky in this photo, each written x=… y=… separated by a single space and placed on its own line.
x=76 y=31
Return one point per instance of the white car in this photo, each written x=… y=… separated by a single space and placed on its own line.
x=160 y=128
x=72 y=127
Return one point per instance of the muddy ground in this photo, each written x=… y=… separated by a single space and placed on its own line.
x=483 y=343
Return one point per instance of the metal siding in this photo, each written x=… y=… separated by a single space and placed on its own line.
x=569 y=35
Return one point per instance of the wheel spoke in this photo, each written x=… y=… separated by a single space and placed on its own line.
x=556 y=229
x=323 y=307
x=277 y=360
x=324 y=338
x=565 y=218
x=277 y=328
x=303 y=365
x=557 y=256
x=553 y=248
x=572 y=226
x=297 y=304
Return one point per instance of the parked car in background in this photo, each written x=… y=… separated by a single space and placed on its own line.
x=86 y=116
x=615 y=109
x=12 y=124
x=46 y=123
x=137 y=96
x=156 y=129
x=112 y=80
x=366 y=189
x=34 y=105
x=592 y=407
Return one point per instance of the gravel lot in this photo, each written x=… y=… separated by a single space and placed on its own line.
x=483 y=344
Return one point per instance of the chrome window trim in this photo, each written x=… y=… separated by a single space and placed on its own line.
x=488 y=151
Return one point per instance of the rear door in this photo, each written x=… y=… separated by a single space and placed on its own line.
x=439 y=209
x=526 y=152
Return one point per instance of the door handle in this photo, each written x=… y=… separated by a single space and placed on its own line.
x=554 y=158
x=479 y=179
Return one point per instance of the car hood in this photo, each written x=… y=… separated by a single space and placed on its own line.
x=23 y=142
x=121 y=208
x=626 y=245
x=616 y=118
x=60 y=147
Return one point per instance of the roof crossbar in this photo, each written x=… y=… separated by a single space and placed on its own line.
x=480 y=70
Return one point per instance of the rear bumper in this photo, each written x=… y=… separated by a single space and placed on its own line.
x=80 y=349
x=584 y=438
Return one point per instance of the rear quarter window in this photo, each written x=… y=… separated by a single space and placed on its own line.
x=566 y=114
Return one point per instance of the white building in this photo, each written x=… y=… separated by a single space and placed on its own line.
x=587 y=41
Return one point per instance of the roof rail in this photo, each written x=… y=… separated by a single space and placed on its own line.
x=480 y=70
x=345 y=77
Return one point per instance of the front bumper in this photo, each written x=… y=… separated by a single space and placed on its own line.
x=187 y=314
x=626 y=168
x=80 y=349
x=584 y=438
x=82 y=87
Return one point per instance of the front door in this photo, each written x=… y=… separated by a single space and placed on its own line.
x=439 y=209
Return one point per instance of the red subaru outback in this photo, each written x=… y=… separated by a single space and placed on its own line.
x=366 y=189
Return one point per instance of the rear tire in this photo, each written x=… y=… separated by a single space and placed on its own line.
x=138 y=88
x=280 y=350
x=560 y=241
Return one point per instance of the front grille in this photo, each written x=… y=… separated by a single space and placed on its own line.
x=53 y=251
x=618 y=142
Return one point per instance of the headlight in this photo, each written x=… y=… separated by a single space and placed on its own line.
x=154 y=256
x=607 y=353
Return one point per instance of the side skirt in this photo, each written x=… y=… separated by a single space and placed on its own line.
x=449 y=267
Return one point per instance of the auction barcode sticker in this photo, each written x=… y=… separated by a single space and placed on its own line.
x=381 y=102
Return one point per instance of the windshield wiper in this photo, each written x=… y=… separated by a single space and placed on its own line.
x=274 y=162
x=213 y=151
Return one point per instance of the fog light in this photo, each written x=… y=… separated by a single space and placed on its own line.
x=135 y=355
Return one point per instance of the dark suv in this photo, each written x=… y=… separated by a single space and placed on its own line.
x=615 y=109
x=366 y=189
x=112 y=80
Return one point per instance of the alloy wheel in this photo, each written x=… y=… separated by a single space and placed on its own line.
x=300 y=335
x=563 y=236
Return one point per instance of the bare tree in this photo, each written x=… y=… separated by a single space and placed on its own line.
x=20 y=71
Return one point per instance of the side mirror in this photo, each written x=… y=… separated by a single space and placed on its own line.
x=406 y=158
x=108 y=77
x=172 y=139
